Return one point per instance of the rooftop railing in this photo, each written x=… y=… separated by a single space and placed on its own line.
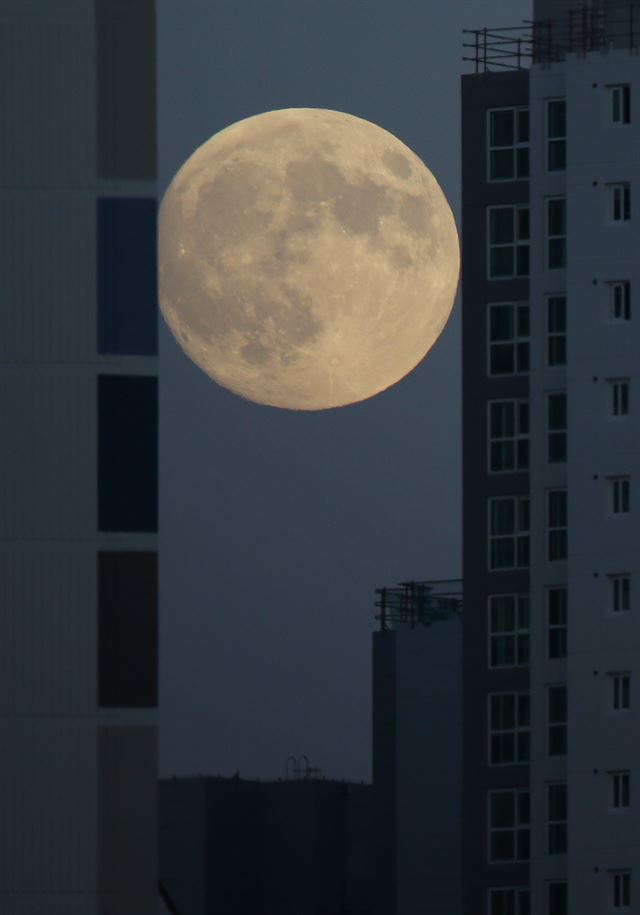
x=583 y=30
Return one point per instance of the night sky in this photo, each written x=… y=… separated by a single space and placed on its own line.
x=276 y=526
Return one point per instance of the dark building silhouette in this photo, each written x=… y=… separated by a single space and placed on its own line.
x=231 y=846
x=551 y=339
x=78 y=458
x=417 y=750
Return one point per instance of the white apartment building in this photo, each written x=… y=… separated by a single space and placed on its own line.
x=551 y=357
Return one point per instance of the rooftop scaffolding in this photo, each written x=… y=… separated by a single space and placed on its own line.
x=419 y=602
x=583 y=29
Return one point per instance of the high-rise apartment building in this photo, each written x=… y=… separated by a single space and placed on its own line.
x=78 y=458
x=551 y=427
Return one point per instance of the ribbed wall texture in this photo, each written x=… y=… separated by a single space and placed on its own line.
x=48 y=650
x=48 y=475
x=47 y=276
x=48 y=803
x=47 y=95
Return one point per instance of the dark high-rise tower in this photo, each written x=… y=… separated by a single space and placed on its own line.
x=78 y=458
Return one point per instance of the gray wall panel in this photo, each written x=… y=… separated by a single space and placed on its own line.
x=127 y=820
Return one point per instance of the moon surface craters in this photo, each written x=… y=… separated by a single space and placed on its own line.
x=308 y=259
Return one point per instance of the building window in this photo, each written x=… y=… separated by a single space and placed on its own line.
x=508 y=435
x=620 y=890
x=619 y=691
x=557 y=895
x=557 y=720
x=556 y=524
x=127 y=453
x=509 y=724
x=508 y=242
x=556 y=330
x=557 y=818
x=556 y=233
x=620 y=593
x=557 y=622
x=619 y=789
x=508 y=630
x=620 y=301
x=556 y=135
x=620 y=202
x=508 y=533
x=557 y=428
x=127 y=271
x=620 y=488
x=618 y=397
x=508 y=826
x=509 y=900
x=508 y=144
x=620 y=104
x=508 y=338
x=127 y=629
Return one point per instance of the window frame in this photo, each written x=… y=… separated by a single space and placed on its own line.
x=515 y=147
x=555 y=141
x=620 y=97
x=518 y=439
x=620 y=495
x=515 y=243
x=519 y=343
x=618 y=592
x=619 y=391
x=619 y=789
x=518 y=731
x=555 y=336
x=557 y=628
x=556 y=434
x=556 y=883
x=619 y=690
x=620 y=899
x=619 y=203
x=520 y=535
x=517 y=891
x=556 y=237
x=623 y=302
x=517 y=634
x=519 y=827
x=557 y=532
x=557 y=726
x=556 y=827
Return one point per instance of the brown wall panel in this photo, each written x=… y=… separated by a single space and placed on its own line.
x=127 y=629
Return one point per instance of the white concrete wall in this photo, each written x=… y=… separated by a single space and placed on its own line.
x=544 y=84
x=599 y=545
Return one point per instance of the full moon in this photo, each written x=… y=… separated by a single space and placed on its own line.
x=308 y=259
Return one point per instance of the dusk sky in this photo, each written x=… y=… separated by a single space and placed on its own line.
x=276 y=527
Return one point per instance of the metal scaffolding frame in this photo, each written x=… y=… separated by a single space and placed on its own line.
x=418 y=602
x=585 y=29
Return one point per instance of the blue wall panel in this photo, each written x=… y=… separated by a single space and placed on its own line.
x=127 y=280
x=127 y=453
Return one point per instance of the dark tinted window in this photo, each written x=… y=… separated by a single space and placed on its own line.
x=127 y=283
x=127 y=453
x=127 y=629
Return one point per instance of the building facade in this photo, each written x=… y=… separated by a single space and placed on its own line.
x=78 y=458
x=232 y=846
x=551 y=357
x=417 y=750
